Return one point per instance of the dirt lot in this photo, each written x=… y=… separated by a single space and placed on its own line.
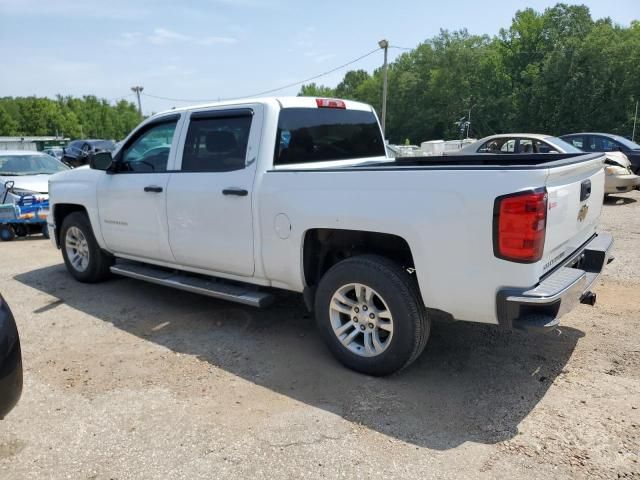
x=130 y=380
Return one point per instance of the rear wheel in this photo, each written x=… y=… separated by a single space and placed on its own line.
x=370 y=313
x=82 y=255
x=7 y=233
x=45 y=231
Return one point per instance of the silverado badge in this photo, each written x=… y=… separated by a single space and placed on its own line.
x=582 y=214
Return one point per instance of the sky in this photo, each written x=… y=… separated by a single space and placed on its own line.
x=204 y=50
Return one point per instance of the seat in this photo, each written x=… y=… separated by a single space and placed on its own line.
x=220 y=141
x=300 y=148
x=221 y=154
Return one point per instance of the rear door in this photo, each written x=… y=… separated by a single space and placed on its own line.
x=575 y=195
x=209 y=201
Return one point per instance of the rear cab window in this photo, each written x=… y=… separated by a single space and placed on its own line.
x=312 y=135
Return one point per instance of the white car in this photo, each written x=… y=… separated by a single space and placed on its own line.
x=297 y=193
x=523 y=143
x=24 y=173
x=618 y=169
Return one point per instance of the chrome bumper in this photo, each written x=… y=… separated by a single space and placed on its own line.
x=539 y=308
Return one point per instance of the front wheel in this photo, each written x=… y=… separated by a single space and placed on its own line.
x=82 y=255
x=7 y=233
x=371 y=316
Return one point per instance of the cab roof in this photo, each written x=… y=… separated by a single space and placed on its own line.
x=282 y=102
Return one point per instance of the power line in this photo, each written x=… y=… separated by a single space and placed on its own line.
x=318 y=76
x=315 y=77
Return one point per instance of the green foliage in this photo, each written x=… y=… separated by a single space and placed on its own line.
x=555 y=72
x=313 y=90
x=87 y=117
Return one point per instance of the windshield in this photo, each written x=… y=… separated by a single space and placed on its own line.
x=627 y=143
x=30 y=165
x=562 y=146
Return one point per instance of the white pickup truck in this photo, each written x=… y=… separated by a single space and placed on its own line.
x=233 y=199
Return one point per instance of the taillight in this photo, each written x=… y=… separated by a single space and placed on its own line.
x=519 y=225
x=330 y=103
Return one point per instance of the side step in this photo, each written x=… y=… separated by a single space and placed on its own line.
x=209 y=286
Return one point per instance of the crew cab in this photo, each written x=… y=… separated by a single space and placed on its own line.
x=238 y=198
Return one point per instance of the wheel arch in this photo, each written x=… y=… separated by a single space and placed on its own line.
x=62 y=211
x=324 y=247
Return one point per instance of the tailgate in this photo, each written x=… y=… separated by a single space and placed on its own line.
x=575 y=196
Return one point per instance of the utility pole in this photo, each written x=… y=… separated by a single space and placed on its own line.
x=384 y=44
x=137 y=90
x=472 y=104
x=635 y=119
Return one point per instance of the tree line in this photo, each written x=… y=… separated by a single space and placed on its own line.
x=86 y=117
x=556 y=72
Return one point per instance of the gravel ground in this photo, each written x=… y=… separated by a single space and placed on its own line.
x=131 y=380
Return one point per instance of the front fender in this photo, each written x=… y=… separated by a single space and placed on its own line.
x=77 y=187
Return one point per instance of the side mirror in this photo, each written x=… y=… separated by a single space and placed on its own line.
x=100 y=161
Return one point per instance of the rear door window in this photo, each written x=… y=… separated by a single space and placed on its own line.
x=578 y=142
x=499 y=145
x=307 y=135
x=509 y=146
x=526 y=146
x=217 y=143
x=603 y=144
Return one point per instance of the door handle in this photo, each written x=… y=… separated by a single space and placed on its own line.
x=153 y=188
x=240 y=192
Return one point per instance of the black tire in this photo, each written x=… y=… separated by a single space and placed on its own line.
x=7 y=233
x=21 y=230
x=99 y=261
x=45 y=231
x=399 y=290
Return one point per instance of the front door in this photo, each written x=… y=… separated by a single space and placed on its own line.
x=209 y=199
x=132 y=199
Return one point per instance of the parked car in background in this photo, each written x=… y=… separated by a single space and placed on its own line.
x=619 y=177
x=24 y=185
x=77 y=152
x=606 y=142
x=27 y=173
x=10 y=361
x=517 y=143
x=55 y=152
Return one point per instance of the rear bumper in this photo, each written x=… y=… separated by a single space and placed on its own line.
x=540 y=307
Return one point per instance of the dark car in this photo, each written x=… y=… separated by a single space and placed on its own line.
x=77 y=152
x=10 y=361
x=605 y=142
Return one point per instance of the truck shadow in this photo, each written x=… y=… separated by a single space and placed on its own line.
x=473 y=382
x=617 y=200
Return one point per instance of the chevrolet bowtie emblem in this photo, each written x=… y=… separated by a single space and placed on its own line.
x=582 y=214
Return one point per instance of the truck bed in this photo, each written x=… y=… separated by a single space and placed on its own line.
x=493 y=161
